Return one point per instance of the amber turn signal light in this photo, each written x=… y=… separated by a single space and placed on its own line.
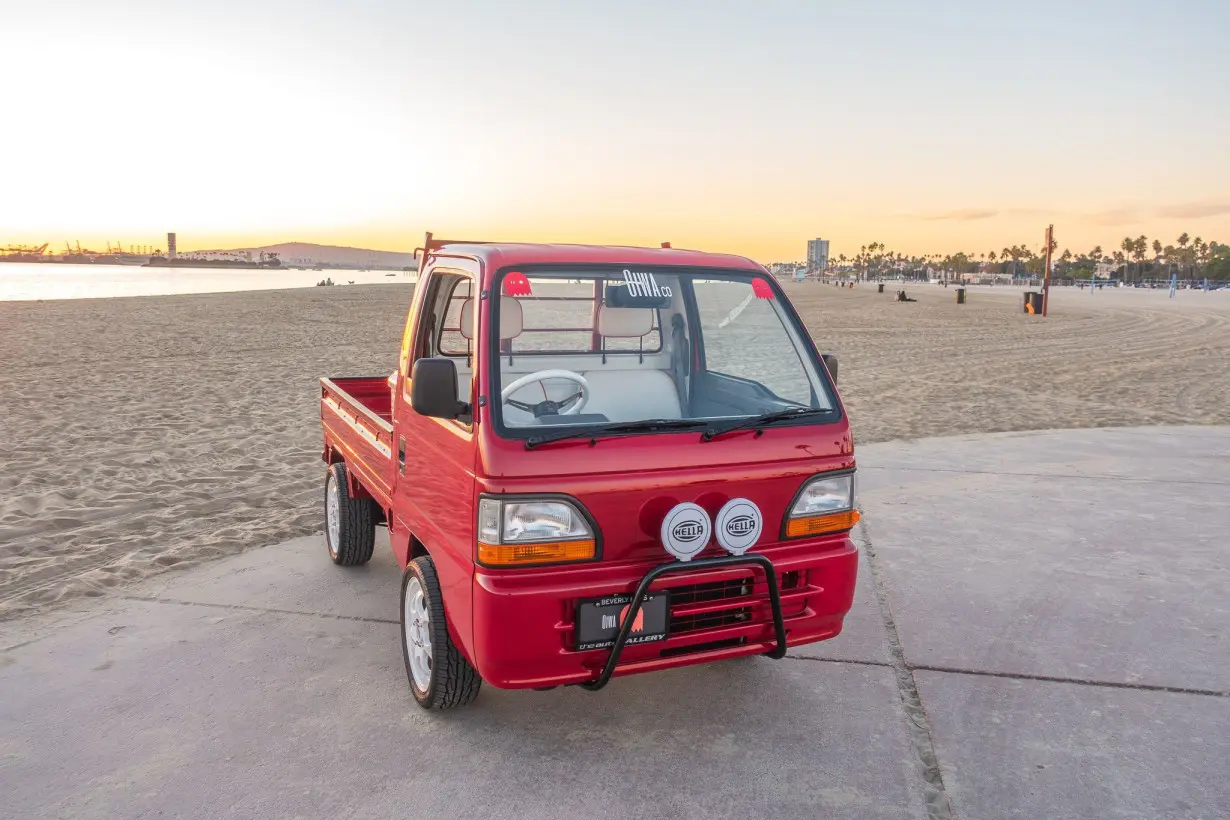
x=820 y=524
x=550 y=552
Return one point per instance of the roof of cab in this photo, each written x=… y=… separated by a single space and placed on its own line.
x=495 y=256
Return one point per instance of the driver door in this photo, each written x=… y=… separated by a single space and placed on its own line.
x=434 y=495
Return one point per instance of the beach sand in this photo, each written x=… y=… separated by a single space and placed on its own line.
x=142 y=434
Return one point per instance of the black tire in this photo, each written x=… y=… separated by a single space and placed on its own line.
x=453 y=681
x=356 y=528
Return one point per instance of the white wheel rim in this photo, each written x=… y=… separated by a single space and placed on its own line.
x=417 y=634
x=333 y=508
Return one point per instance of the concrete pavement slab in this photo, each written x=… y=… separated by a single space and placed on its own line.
x=295 y=576
x=862 y=636
x=186 y=710
x=1095 y=579
x=1030 y=749
x=1174 y=454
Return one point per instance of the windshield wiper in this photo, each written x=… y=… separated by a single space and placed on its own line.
x=762 y=420
x=617 y=428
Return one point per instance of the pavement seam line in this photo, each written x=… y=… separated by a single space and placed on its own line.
x=1128 y=479
x=938 y=804
x=849 y=661
x=156 y=600
x=23 y=643
x=987 y=673
x=1102 y=684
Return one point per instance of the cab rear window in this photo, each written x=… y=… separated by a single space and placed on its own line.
x=557 y=317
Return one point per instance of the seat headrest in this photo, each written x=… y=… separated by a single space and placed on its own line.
x=511 y=318
x=624 y=322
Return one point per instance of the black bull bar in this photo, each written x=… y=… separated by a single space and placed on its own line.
x=775 y=601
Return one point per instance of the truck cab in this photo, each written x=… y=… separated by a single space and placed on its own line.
x=593 y=462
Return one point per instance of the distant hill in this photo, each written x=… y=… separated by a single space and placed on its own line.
x=309 y=254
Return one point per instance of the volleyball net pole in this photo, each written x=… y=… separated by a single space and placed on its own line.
x=1046 y=270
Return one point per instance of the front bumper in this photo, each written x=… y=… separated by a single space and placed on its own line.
x=524 y=629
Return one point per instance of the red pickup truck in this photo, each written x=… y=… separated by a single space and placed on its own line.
x=592 y=462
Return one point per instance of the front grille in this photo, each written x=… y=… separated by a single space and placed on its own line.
x=709 y=620
x=712 y=591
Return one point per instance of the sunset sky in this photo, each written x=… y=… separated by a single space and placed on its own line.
x=736 y=126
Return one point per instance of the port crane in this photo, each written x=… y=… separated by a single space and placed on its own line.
x=24 y=250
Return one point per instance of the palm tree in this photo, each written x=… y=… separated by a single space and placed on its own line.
x=1139 y=247
x=1127 y=246
x=1182 y=243
x=1157 y=255
x=1029 y=256
x=1096 y=255
x=1198 y=253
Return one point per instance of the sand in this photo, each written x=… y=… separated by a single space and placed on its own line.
x=142 y=434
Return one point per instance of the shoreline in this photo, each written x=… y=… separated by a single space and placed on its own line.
x=37 y=283
x=291 y=288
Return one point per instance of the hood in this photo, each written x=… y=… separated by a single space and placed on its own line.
x=629 y=484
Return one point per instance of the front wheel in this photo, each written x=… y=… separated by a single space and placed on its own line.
x=440 y=676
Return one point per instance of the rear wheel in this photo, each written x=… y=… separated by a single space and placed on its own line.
x=440 y=677
x=350 y=531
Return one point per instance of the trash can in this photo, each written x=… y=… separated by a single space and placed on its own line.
x=960 y=296
x=1035 y=298
x=1029 y=297
x=881 y=290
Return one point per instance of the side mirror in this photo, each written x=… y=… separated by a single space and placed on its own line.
x=433 y=389
x=830 y=361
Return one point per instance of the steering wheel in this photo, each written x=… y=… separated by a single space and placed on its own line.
x=547 y=407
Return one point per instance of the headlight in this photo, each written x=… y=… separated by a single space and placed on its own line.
x=825 y=504
x=514 y=533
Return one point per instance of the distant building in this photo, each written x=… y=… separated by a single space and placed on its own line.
x=817 y=254
x=784 y=270
x=171 y=254
x=1105 y=270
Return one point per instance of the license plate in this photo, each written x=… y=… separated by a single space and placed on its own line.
x=599 y=620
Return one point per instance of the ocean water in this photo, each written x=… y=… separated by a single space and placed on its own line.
x=23 y=282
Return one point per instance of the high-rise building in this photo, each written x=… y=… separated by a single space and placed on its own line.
x=170 y=246
x=817 y=254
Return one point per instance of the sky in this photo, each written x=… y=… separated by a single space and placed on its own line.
x=745 y=127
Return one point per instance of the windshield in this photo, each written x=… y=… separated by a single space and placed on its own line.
x=623 y=346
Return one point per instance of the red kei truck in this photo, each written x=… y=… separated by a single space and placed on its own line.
x=592 y=462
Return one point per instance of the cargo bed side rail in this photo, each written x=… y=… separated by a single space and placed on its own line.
x=340 y=408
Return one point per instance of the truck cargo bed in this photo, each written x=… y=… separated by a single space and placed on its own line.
x=357 y=417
